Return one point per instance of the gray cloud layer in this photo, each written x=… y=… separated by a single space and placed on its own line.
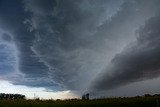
x=65 y=39
x=86 y=42
x=137 y=62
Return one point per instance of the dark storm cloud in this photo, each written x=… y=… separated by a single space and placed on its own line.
x=12 y=16
x=7 y=63
x=62 y=43
x=76 y=39
x=65 y=39
x=137 y=62
x=6 y=37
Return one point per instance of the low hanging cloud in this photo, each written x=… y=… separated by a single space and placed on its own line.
x=73 y=38
x=64 y=43
x=65 y=40
x=29 y=70
x=139 y=61
x=7 y=54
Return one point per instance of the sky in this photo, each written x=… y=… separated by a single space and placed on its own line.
x=64 y=48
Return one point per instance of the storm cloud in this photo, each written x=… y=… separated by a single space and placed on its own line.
x=138 y=61
x=97 y=44
x=65 y=39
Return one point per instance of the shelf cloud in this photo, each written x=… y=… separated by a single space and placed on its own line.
x=79 y=45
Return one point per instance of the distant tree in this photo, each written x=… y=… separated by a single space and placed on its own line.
x=85 y=96
x=147 y=95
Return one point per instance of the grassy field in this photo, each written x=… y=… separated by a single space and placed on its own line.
x=150 y=101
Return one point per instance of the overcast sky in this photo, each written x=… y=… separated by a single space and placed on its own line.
x=104 y=47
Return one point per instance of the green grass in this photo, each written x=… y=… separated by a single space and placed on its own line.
x=108 y=102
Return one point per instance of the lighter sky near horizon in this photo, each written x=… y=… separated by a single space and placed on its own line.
x=33 y=92
x=64 y=48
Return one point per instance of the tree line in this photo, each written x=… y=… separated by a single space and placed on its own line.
x=11 y=96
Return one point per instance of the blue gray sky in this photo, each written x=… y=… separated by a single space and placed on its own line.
x=104 y=47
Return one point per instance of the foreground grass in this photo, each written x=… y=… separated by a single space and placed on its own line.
x=108 y=102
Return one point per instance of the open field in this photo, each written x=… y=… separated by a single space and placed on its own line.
x=149 y=101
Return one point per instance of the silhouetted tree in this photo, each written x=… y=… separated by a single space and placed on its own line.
x=85 y=96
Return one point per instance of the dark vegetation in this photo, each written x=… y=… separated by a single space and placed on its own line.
x=4 y=96
x=138 y=101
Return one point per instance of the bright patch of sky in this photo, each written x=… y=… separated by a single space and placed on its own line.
x=32 y=92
